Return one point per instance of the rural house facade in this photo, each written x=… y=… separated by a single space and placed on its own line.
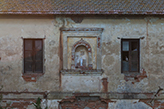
x=82 y=54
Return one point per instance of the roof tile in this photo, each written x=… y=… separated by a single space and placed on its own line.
x=82 y=6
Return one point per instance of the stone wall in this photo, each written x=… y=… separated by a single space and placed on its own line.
x=12 y=32
x=149 y=30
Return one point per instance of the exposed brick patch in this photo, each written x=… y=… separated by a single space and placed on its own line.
x=31 y=77
x=18 y=104
x=98 y=42
x=98 y=45
x=20 y=100
x=142 y=75
x=81 y=102
x=81 y=42
x=90 y=66
x=77 y=19
x=76 y=99
x=136 y=77
x=70 y=99
x=98 y=38
x=157 y=104
x=105 y=84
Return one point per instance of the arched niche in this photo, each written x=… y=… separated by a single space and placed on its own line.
x=81 y=55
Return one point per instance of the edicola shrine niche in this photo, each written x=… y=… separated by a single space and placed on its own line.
x=81 y=50
x=81 y=55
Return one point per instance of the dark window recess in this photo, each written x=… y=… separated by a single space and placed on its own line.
x=33 y=56
x=130 y=55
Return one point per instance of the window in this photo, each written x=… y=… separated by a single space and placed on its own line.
x=33 y=56
x=130 y=55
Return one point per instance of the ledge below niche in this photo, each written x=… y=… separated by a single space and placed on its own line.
x=82 y=72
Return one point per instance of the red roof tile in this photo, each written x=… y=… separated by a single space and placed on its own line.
x=81 y=6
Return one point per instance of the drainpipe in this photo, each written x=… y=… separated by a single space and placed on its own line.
x=61 y=54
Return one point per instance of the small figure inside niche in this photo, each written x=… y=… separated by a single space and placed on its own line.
x=81 y=58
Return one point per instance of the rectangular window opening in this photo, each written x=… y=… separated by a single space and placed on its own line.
x=130 y=51
x=33 y=55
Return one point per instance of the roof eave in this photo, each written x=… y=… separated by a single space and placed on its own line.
x=115 y=12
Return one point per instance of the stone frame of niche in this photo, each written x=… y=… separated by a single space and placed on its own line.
x=81 y=32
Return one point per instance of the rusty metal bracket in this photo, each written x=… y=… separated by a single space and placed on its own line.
x=156 y=94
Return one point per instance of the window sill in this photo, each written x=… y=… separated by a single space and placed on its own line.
x=31 y=77
x=82 y=72
x=131 y=74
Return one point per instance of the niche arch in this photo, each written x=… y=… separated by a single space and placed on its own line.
x=81 y=55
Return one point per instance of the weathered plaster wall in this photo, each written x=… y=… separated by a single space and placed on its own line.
x=11 y=52
x=151 y=53
x=82 y=83
x=155 y=52
x=128 y=104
